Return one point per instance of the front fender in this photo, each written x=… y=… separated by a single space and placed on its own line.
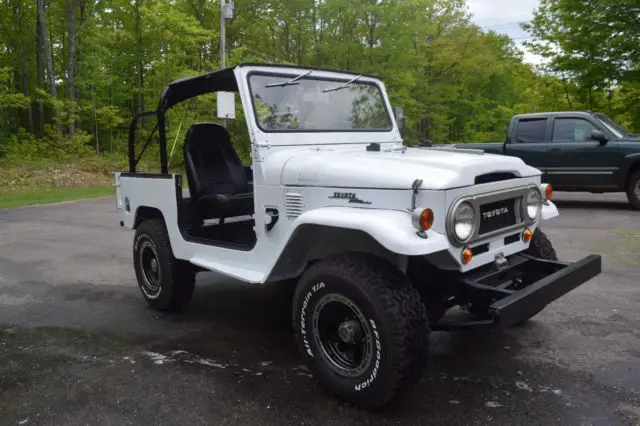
x=391 y=229
x=549 y=211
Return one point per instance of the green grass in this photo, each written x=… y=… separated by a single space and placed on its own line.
x=32 y=197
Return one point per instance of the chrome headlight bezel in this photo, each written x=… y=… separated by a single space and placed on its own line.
x=451 y=222
x=526 y=204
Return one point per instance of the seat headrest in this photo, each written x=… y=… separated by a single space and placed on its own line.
x=204 y=133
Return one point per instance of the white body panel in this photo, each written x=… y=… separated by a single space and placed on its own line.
x=299 y=174
x=334 y=166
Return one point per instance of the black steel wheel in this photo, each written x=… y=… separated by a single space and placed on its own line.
x=165 y=282
x=361 y=327
x=150 y=265
x=343 y=335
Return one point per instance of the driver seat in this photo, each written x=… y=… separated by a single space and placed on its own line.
x=219 y=184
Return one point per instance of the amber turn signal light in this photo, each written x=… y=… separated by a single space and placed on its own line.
x=527 y=235
x=426 y=219
x=423 y=219
x=467 y=256
x=548 y=191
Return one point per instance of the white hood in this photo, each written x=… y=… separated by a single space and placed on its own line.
x=358 y=168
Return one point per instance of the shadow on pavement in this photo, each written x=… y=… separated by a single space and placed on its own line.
x=593 y=205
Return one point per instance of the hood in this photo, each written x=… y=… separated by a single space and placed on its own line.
x=358 y=168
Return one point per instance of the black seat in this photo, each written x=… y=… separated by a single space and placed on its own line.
x=219 y=184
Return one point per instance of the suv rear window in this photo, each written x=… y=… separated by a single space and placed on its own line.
x=528 y=131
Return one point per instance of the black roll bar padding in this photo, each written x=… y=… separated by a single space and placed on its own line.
x=132 y=136
x=164 y=169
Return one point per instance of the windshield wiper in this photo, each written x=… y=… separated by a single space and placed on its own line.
x=290 y=82
x=347 y=84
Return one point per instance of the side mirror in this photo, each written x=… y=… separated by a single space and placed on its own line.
x=426 y=143
x=597 y=135
x=399 y=113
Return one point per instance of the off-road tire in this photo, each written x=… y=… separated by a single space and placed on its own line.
x=390 y=304
x=632 y=185
x=176 y=277
x=540 y=247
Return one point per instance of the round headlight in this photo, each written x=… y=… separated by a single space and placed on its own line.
x=464 y=219
x=533 y=204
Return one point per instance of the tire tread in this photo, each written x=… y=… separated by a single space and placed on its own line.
x=392 y=294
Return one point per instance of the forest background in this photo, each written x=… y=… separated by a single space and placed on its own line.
x=74 y=72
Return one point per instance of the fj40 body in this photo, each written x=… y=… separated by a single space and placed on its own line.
x=375 y=241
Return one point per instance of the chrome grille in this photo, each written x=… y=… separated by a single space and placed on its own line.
x=498 y=215
x=495 y=221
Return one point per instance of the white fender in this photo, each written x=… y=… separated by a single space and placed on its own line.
x=391 y=228
x=549 y=211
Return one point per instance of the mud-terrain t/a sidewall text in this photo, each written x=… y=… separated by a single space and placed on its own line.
x=392 y=323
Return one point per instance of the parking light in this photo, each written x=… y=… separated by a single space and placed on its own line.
x=547 y=190
x=527 y=235
x=422 y=219
x=467 y=256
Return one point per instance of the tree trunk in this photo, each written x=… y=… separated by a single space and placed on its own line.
x=71 y=16
x=40 y=37
x=95 y=118
x=24 y=66
x=139 y=63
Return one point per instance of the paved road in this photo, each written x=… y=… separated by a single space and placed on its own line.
x=78 y=345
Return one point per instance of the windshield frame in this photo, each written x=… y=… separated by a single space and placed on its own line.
x=322 y=77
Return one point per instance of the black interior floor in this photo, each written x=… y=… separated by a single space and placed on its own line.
x=238 y=233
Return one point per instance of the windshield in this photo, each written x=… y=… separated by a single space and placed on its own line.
x=614 y=127
x=303 y=102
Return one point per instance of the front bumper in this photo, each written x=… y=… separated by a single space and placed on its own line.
x=525 y=285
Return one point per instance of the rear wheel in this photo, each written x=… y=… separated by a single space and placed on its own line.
x=633 y=190
x=165 y=282
x=361 y=327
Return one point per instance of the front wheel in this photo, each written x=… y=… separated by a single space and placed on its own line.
x=166 y=283
x=361 y=327
x=633 y=190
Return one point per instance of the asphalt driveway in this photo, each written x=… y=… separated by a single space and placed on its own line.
x=78 y=345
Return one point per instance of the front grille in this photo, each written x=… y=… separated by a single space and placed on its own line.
x=497 y=215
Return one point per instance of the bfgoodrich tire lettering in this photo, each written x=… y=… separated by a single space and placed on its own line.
x=393 y=326
x=171 y=287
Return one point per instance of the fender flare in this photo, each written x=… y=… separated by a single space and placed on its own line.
x=549 y=211
x=392 y=229
x=386 y=233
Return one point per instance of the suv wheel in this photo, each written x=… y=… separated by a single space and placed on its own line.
x=361 y=327
x=165 y=282
x=633 y=190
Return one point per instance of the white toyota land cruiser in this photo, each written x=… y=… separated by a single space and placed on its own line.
x=380 y=240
